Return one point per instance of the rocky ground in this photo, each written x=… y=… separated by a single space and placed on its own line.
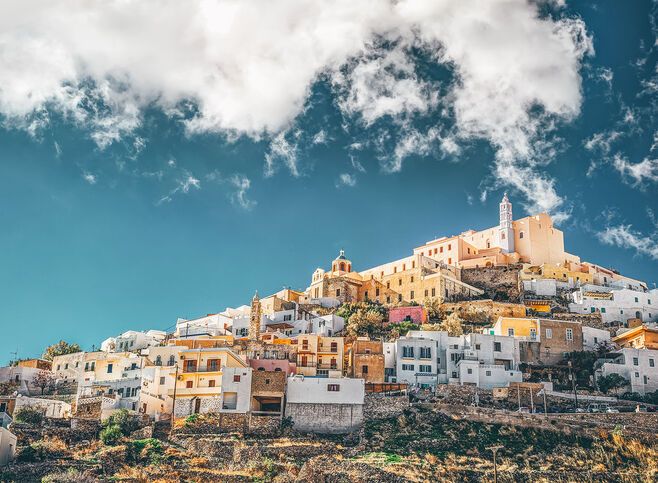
x=421 y=445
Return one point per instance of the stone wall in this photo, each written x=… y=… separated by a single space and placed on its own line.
x=89 y=408
x=483 y=312
x=268 y=382
x=498 y=283
x=71 y=431
x=379 y=406
x=230 y=423
x=325 y=418
x=185 y=406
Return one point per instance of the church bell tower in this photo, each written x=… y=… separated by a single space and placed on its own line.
x=506 y=228
x=254 y=318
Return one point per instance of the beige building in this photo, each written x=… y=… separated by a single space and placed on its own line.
x=320 y=356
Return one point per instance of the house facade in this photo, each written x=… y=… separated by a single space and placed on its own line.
x=638 y=366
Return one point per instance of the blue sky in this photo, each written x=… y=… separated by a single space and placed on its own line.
x=157 y=169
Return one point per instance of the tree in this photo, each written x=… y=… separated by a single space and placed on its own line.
x=43 y=380
x=60 y=349
x=365 y=322
x=401 y=328
x=452 y=324
x=433 y=308
x=611 y=381
x=7 y=388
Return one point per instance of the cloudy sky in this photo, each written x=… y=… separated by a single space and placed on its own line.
x=161 y=158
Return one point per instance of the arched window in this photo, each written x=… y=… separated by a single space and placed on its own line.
x=172 y=360
x=520 y=234
x=158 y=361
x=502 y=236
x=638 y=315
x=342 y=267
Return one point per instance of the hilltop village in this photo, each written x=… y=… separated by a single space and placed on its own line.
x=503 y=318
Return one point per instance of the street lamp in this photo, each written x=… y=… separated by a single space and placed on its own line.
x=495 y=449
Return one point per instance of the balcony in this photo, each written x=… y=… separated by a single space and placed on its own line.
x=327 y=366
x=326 y=349
x=193 y=369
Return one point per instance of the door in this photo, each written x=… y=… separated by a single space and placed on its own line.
x=197 y=406
x=533 y=334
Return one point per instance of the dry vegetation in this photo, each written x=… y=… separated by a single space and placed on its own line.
x=421 y=445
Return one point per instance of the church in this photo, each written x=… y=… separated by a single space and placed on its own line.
x=433 y=270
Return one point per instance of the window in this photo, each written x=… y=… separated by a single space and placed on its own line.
x=337 y=292
x=521 y=235
x=477 y=347
x=172 y=360
x=636 y=299
x=162 y=380
x=400 y=282
x=637 y=374
x=593 y=310
x=399 y=297
x=433 y=292
x=646 y=380
x=426 y=292
x=366 y=295
x=364 y=369
x=211 y=383
x=449 y=261
x=377 y=292
x=603 y=310
x=440 y=250
x=236 y=378
x=510 y=332
x=158 y=361
x=333 y=387
x=109 y=368
x=636 y=362
x=449 y=246
x=411 y=295
x=388 y=284
x=388 y=299
x=286 y=318
x=652 y=363
x=425 y=352
x=425 y=368
x=66 y=366
x=58 y=367
x=188 y=384
x=407 y=367
x=496 y=346
x=408 y=352
x=469 y=370
x=569 y=334
x=488 y=373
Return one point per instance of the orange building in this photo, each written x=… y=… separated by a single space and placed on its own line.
x=641 y=337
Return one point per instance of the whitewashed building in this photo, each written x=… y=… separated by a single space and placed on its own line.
x=594 y=338
x=638 y=366
x=7 y=446
x=390 y=368
x=52 y=408
x=236 y=390
x=325 y=405
x=616 y=306
x=132 y=340
x=211 y=325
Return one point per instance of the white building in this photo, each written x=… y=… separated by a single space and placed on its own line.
x=52 y=408
x=236 y=390
x=211 y=324
x=132 y=340
x=638 y=366
x=7 y=446
x=22 y=377
x=158 y=377
x=390 y=369
x=427 y=358
x=325 y=405
x=616 y=305
x=594 y=338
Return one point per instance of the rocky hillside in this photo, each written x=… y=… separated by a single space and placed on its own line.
x=423 y=444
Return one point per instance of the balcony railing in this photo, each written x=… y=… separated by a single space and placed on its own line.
x=328 y=349
x=190 y=369
x=327 y=366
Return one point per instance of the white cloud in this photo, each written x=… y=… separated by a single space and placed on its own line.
x=281 y=150
x=89 y=177
x=241 y=184
x=346 y=179
x=184 y=185
x=637 y=173
x=247 y=68
x=624 y=236
x=320 y=137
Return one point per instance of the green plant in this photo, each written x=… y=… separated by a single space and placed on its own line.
x=124 y=420
x=59 y=349
x=111 y=435
x=611 y=381
x=191 y=420
x=29 y=415
x=148 y=450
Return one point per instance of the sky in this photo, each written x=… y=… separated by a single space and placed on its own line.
x=163 y=159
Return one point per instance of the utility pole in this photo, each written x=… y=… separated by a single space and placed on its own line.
x=173 y=408
x=573 y=385
x=495 y=449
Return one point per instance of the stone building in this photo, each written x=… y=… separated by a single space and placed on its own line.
x=366 y=360
x=325 y=405
x=268 y=390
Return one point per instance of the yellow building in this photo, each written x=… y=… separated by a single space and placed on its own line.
x=641 y=337
x=516 y=327
x=199 y=384
x=320 y=356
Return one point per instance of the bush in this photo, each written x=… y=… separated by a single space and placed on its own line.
x=111 y=435
x=47 y=448
x=191 y=420
x=123 y=420
x=631 y=396
x=29 y=415
x=148 y=450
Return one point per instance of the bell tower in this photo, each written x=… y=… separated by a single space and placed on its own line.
x=254 y=318
x=506 y=227
x=341 y=263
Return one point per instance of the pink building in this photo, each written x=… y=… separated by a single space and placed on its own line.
x=414 y=314
x=282 y=365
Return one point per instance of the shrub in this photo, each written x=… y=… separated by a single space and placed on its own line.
x=110 y=435
x=124 y=420
x=148 y=450
x=47 y=448
x=29 y=415
x=191 y=420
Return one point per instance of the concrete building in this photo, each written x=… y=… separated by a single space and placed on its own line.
x=320 y=356
x=7 y=446
x=617 y=306
x=413 y=313
x=641 y=337
x=51 y=408
x=132 y=340
x=21 y=377
x=390 y=367
x=594 y=338
x=325 y=405
x=209 y=325
x=199 y=384
x=158 y=378
x=366 y=360
x=67 y=367
x=268 y=390
x=236 y=390
x=638 y=366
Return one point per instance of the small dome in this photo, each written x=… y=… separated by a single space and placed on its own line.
x=341 y=255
